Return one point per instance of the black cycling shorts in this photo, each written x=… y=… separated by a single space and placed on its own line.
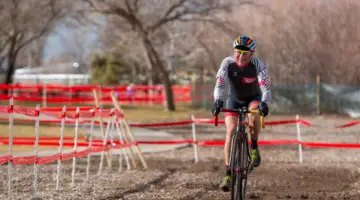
x=233 y=103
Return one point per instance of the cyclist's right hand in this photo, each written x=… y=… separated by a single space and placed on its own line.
x=264 y=109
x=218 y=104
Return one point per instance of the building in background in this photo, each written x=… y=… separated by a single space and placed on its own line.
x=64 y=74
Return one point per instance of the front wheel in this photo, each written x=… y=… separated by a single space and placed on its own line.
x=245 y=162
x=240 y=161
x=234 y=163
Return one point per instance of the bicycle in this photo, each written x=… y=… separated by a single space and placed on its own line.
x=240 y=159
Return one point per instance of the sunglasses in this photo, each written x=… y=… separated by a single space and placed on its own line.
x=243 y=52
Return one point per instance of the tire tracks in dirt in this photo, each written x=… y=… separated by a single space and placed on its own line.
x=141 y=187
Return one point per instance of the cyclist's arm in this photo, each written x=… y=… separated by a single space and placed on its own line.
x=263 y=78
x=222 y=79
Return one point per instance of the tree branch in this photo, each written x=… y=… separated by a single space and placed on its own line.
x=165 y=19
x=43 y=31
x=112 y=9
x=187 y=11
x=172 y=8
x=132 y=16
x=128 y=6
x=136 y=5
x=221 y=24
x=210 y=54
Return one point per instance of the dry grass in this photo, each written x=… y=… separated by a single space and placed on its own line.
x=157 y=113
x=24 y=148
x=21 y=130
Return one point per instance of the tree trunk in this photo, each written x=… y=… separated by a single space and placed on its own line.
x=9 y=73
x=2 y=61
x=170 y=104
x=156 y=62
x=10 y=70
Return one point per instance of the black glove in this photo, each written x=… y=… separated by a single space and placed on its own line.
x=264 y=109
x=218 y=104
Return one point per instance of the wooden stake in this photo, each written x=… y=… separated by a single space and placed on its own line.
x=123 y=132
x=133 y=139
x=129 y=132
x=101 y=125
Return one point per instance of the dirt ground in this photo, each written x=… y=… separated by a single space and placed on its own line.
x=324 y=174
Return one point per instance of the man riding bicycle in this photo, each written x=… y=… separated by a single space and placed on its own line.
x=247 y=78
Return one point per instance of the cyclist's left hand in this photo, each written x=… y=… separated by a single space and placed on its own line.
x=218 y=104
x=264 y=109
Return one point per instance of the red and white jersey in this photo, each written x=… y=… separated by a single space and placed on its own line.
x=244 y=82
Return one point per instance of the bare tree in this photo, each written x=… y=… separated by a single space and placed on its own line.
x=121 y=41
x=312 y=38
x=3 y=39
x=145 y=18
x=23 y=22
x=309 y=41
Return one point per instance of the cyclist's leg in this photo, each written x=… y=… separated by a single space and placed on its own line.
x=254 y=119
x=254 y=122
x=230 y=123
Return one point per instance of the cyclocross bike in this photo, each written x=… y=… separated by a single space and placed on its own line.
x=240 y=159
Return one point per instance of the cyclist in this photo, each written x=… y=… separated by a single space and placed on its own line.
x=247 y=78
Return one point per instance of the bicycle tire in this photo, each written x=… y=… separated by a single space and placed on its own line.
x=245 y=161
x=234 y=160
x=240 y=162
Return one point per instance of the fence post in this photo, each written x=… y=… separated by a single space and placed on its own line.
x=299 y=138
x=196 y=156
x=77 y=116
x=37 y=124
x=150 y=93
x=104 y=145
x=44 y=95
x=90 y=145
x=318 y=94
x=60 y=147
x=97 y=104
x=112 y=128
x=11 y=124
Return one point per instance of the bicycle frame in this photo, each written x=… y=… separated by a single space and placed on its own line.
x=241 y=129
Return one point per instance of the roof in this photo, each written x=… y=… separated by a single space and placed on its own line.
x=64 y=68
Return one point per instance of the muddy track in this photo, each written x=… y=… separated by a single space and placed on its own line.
x=325 y=174
x=173 y=175
x=139 y=188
